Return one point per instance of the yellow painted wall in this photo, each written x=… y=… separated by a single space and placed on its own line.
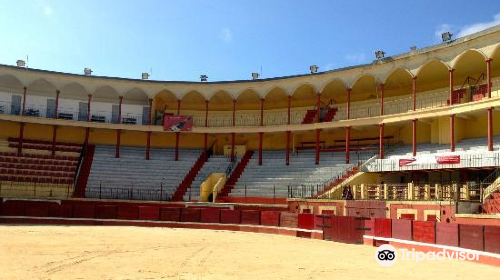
x=436 y=130
x=9 y=129
x=423 y=133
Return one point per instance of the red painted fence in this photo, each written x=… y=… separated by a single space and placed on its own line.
x=345 y=229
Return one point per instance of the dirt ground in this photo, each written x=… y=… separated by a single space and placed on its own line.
x=81 y=252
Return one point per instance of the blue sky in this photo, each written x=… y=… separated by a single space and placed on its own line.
x=225 y=39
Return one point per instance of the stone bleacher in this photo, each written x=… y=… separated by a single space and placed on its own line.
x=473 y=151
x=273 y=177
x=40 y=170
x=133 y=177
x=214 y=164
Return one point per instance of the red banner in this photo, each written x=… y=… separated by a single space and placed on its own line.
x=448 y=159
x=404 y=162
x=429 y=159
x=177 y=123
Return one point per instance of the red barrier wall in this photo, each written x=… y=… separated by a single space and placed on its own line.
x=250 y=217
x=270 y=218
x=424 y=232
x=345 y=229
x=447 y=234
x=61 y=210
x=471 y=237
x=105 y=211
x=13 y=208
x=306 y=221
x=369 y=226
x=190 y=215
x=383 y=227
x=402 y=229
x=170 y=214
x=322 y=221
x=365 y=208
x=127 y=212
x=230 y=216
x=149 y=213
x=289 y=220
x=36 y=209
x=84 y=211
x=447 y=211
x=492 y=239
x=210 y=215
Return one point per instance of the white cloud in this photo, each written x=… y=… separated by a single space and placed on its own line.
x=466 y=29
x=327 y=67
x=476 y=27
x=226 y=35
x=47 y=11
x=356 y=58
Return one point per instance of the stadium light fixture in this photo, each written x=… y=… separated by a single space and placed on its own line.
x=446 y=36
x=255 y=75
x=145 y=76
x=379 y=54
x=203 y=78
x=313 y=68
x=21 y=63
x=87 y=71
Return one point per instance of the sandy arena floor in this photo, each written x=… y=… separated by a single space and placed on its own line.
x=80 y=252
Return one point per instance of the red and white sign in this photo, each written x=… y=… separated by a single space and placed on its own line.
x=448 y=159
x=406 y=161
x=430 y=159
x=177 y=123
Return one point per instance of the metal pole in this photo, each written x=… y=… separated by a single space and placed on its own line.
x=161 y=191
x=100 y=190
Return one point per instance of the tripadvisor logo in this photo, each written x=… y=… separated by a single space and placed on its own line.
x=386 y=255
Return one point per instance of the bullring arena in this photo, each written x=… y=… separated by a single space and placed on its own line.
x=284 y=178
x=83 y=252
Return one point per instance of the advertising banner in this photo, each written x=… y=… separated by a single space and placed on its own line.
x=430 y=159
x=177 y=123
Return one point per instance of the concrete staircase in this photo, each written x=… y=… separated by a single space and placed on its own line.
x=491 y=193
x=310 y=117
x=330 y=114
x=238 y=170
x=189 y=178
x=83 y=175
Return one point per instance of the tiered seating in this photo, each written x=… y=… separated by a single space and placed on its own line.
x=273 y=177
x=473 y=153
x=470 y=145
x=189 y=178
x=45 y=145
x=215 y=164
x=133 y=177
x=36 y=172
